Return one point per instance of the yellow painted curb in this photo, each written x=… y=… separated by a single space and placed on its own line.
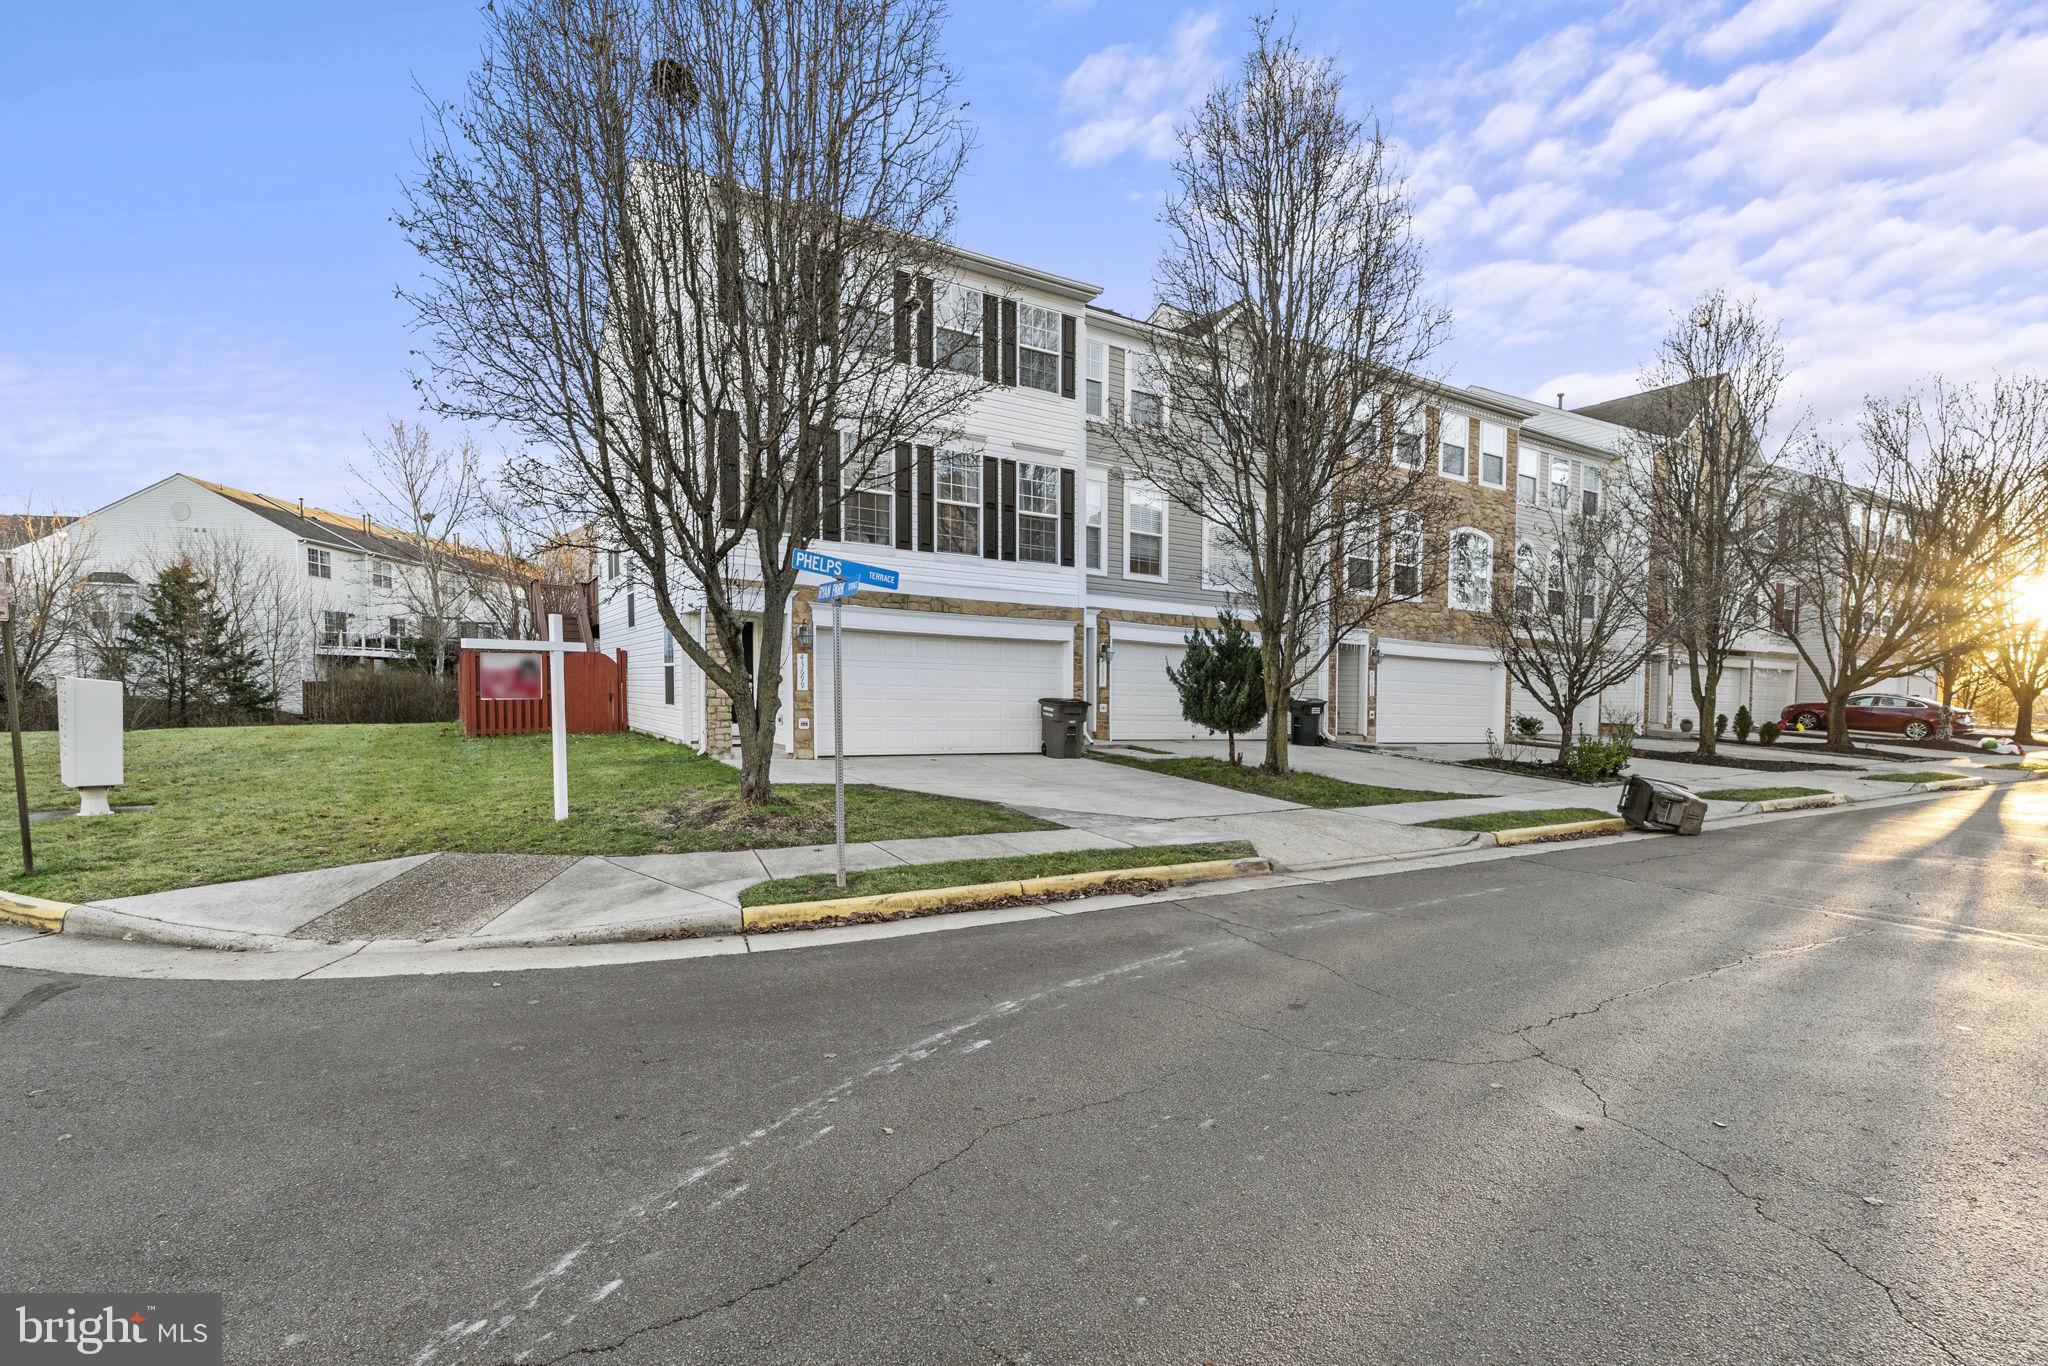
x=33 y=911
x=1613 y=825
x=937 y=898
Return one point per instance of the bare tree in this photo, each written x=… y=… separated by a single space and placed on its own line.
x=1574 y=623
x=436 y=494
x=1294 y=332
x=2015 y=655
x=668 y=242
x=1887 y=564
x=52 y=592
x=1703 y=465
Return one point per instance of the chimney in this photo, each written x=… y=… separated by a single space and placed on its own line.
x=1560 y=400
x=302 y=507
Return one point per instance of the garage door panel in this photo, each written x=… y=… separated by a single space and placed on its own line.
x=1143 y=703
x=1433 y=701
x=930 y=694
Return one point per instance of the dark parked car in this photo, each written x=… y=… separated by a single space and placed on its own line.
x=1916 y=718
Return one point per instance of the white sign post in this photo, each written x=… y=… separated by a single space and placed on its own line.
x=554 y=647
x=846 y=576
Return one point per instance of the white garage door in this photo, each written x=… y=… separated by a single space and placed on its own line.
x=918 y=694
x=1143 y=703
x=1426 y=700
x=1773 y=694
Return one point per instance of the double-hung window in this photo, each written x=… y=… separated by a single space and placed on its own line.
x=1556 y=601
x=611 y=564
x=867 y=508
x=1038 y=513
x=1408 y=448
x=1098 y=377
x=1560 y=484
x=958 y=327
x=1452 y=434
x=1095 y=527
x=1362 y=554
x=668 y=667
x=1525 y=578
x=1589 y=490
x=1225 y=566
x=1038 y=348
x=1407 y=555
x=319 y=563
x=1148 y=391
x=1471 y=570
x=958 y=477
x=1528 y=476
x=380 y=573
x=1144 y=532
x=1493 y=455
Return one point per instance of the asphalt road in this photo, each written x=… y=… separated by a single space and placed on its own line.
x=1771 y=1095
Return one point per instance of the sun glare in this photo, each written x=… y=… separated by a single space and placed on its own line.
x=2030 y=596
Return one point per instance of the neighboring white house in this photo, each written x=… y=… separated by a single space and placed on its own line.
x=315 y=591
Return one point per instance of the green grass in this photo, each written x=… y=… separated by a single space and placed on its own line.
x=1308 y=789
x=1760 y=794
x=246 y=802
x=1911 y=777
x=967 y=872
x=1493 y=821
x=2024 y=766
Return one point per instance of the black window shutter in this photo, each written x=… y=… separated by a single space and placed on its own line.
x=1067 y=518
x=1010 y=341
x=925 y=351
x=903 y=495
x=829 y=477
x=729 y=468
x=991 y=533
x=927 y=508
x=991 y=342
x=668 y=684
x=1009 y=509
x=1066 y=355
x=902 y=317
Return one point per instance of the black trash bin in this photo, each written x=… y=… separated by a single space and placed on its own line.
x=1652 y=804
x=1305 y=721
x=1061 y=720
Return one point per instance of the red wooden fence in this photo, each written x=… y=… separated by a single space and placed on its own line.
x=597 y=698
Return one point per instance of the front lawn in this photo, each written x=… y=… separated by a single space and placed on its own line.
x=1299 y=786
x=246 y=802
x=1760 y=794
x=917 y=877
x=1911 y=777
x=1492 y=822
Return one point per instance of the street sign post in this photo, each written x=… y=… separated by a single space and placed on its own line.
x=554 y=647
x=847 y=578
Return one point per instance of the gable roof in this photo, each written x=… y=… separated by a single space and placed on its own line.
x=363 y=534
x=1544 y=422
x=1660 y=412
x=19 y=528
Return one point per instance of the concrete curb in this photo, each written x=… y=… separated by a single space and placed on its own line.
x=1796 y=803
x=1947 y=785
x=34 y=912
x=1536 y=834
x=756 y=918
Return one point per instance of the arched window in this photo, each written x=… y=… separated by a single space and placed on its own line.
x=1471 y=570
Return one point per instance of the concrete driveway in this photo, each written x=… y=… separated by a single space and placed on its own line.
x=1032 y=783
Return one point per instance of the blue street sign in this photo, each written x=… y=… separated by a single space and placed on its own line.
x=832 y=567
x=838 y=588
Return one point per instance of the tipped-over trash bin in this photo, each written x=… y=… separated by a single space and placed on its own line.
x=1305 y=721
x=1652 y=804
x=1061 y=720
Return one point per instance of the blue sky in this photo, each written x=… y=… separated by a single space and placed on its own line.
x=197 y=260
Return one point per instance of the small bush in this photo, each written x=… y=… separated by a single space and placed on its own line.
x=1619 y=725
x=1528 y=727
x=1744 y=724
x=1767 y=733
x=1720 y=725
x=1595 y=761
x=361 y=696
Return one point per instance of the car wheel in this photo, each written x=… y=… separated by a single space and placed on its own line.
x=1812 y=720
x=1918 y=730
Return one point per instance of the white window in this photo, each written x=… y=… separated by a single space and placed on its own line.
x=1148 y=391
x=1094 y=533
x=1407 y=555
x=1561 y=484
x=1528 y=476
x=1098 y=377
x=1525 y=578
x=867 y=507
x=1408 y=448
x=611 y=560
x=958 y=476
x=1471 y=570
x=1144 y=532
x=1225 y=566
x=1555 y=600
x=380 y=573
x=1038 y=513
x=957 y=332
x=1452 y=435
x=1493 y=455
x=1038 y=348
x=319 y=563
x=1589 y=490
x=1362 y=555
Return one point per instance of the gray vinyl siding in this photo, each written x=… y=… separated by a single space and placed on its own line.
x=1113 y=401
x=1183 y=549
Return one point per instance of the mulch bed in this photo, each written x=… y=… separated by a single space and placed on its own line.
x=1123 y=886
x=1727 y=760
x=1547 y=772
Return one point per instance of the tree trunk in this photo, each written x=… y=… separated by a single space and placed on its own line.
x=1231 y=741
x=2023 y=721
x=757 y=751
x=1277 y=698
x=1564 y=734
x=1838 y=721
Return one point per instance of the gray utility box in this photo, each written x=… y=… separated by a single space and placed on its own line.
x=1651 y=804
x=1061 y=720
x=1305 y=721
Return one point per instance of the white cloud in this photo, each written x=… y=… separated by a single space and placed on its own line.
x=1125 y=98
